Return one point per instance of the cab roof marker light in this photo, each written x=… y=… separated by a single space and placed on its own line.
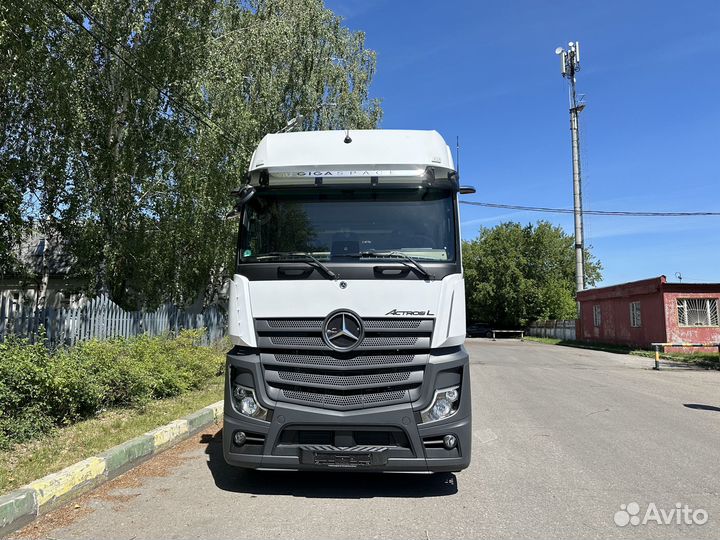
x=347 y=173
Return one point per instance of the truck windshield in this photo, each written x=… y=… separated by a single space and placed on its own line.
x=355 y=225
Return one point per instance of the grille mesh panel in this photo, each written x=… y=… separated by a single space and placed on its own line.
x=392 y=323
x=344 y=380
x=304 y=396
x=298 y=341
x=352 y=400
x=358 y=361
x=390 y=341
x=294 y=323
x=384 y=396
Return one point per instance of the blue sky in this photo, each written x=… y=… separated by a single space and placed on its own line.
x=487 y=72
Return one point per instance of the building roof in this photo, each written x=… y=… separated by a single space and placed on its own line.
x=370 y=149
x=37 y=250
x=644 y=286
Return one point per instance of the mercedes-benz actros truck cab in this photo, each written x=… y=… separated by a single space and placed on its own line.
x=347 y=307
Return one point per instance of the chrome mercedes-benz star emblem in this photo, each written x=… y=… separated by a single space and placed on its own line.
x=343 y=330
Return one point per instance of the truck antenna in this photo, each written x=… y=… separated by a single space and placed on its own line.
x=457 y=154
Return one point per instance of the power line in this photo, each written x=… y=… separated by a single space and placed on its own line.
x=177 y=100
x=589 y=212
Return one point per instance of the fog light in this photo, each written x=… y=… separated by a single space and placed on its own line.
x=247 y=403
x=449 y=442
x=445 y=403
x=239 y=438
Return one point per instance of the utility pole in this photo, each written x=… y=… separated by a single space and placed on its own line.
x=569 y=66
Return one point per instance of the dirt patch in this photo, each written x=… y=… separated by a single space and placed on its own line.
x=159 y=466
x=57 y=519
x=119 y=499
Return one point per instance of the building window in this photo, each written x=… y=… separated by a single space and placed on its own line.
x=635 y=320
x=597 y=315
x=697 y=311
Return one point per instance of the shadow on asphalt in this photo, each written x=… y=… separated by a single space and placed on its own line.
x=701 y=407
x=314 y=484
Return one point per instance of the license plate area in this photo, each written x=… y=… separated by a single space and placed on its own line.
x=341 y=459
x=334 y=459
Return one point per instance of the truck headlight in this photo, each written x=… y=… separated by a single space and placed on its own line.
x=445 y=403
x=247 y=403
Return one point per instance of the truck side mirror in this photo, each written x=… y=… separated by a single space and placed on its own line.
x=244 y=194
x=466 y=190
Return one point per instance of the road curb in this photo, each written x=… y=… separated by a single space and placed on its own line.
x=124 y=456
x=17 y=509
x=20 y=507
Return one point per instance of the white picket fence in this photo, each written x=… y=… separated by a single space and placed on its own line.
x=553 y=329
x=101 y=318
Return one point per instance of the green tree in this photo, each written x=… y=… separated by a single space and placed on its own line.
x=515 y=275
x=129 y=154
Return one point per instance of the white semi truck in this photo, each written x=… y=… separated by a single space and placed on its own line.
x=347 y=307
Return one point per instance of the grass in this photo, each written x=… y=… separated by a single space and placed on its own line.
x=26 y=462
x=701 y=359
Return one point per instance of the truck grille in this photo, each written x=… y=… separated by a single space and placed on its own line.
x=386 y=368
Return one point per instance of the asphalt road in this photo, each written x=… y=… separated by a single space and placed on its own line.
x=562 y=438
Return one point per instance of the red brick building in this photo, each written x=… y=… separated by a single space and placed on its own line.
x=650 y=311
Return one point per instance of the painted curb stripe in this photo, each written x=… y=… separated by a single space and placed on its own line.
x=171 y=432
x=54 y=486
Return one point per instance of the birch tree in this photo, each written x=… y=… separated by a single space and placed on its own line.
x=126 y=124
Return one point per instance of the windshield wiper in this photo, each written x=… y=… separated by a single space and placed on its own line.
x=309 y=259
x=407 y=259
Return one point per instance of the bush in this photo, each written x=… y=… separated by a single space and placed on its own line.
x=40 y=390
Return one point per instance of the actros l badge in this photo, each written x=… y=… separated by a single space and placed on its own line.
x=407 y=313
x=342 y=330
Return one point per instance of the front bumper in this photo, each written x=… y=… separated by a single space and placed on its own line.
x=387 y=438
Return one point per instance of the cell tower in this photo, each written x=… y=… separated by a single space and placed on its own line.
x=569 y=66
